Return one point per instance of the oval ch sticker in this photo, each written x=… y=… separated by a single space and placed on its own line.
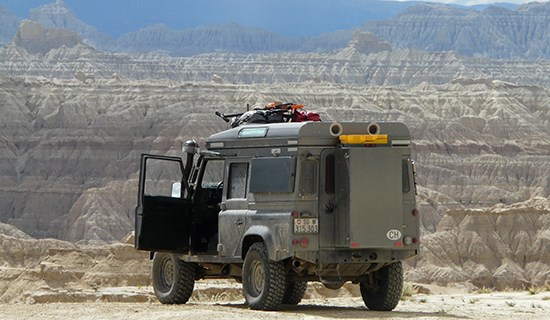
x=393 y=234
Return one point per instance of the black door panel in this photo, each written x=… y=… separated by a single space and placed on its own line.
x=162 y=218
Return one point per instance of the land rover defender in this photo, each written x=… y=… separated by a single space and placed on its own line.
x=275 y=205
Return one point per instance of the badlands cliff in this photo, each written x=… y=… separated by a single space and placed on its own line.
x=505 y=33
x=360 y=63
x=74 y=121
x=500 y=247
x=495 y=32
x=36 y=39
x=71 y=149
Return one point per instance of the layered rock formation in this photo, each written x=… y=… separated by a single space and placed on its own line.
x=477 y=143
x=70 y=146
x=58 y=15
x=507 y=33
x=363 y=43
x=34 y=38
x=397 y=67
x=501 y=247
x=50 y=270
x=232 y=37
x=494 y=32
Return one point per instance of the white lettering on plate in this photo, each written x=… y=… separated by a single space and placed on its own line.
x=393 y=234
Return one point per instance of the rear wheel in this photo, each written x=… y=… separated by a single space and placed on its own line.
x=263 y=280
x=383 y=289
x=173 y=279
x=294 y=291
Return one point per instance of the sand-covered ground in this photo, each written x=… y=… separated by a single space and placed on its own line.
x=440 y=303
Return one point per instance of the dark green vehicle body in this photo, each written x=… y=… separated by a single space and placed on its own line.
x=330 y=202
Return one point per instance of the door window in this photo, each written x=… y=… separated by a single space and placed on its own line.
x=160 y=177
x=308 y=177
x=238 y=177
x=330 y=174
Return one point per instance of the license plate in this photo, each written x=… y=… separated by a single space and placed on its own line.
x=306 y=225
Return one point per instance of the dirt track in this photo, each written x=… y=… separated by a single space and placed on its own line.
x=504 y=305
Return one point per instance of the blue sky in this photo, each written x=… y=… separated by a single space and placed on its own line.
x=285 y=17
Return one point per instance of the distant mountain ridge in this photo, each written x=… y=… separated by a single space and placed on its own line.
x=289 y=18
x=230 y=37
x=59 y=15
x=495 y=32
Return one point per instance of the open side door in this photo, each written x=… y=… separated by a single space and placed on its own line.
x=164 y=206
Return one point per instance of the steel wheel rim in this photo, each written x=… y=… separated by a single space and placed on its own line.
x=167 y=273
x=257 y=277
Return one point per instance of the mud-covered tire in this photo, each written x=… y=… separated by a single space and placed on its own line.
x=173 y=279
x=384 y=291
x=294 y=291
x=263 y=280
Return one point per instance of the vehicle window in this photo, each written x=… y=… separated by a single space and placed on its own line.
x=238 y=176
x=405 y=176
x=272 y=174
x=160 y=176
x=330 y=174
x=308 y=177
x=213 y=173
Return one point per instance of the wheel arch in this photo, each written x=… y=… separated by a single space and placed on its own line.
x=259 y=234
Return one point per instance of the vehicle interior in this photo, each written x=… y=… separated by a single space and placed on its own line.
x=206 y=207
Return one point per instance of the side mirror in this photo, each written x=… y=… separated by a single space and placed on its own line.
x=176 y=190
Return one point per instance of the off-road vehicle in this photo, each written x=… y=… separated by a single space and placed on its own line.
x=275 y=205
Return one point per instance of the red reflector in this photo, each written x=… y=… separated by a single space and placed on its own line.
x=304 y=242
x=295 y=242
x=415 y=240
x=398 y=244
x=415 y=212
x=295 y=214
x=355 y=244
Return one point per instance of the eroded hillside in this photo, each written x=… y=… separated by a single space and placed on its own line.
x=499 y=247
x=71 y=150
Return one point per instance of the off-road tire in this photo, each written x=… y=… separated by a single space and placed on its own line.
x=294 y=291
x=173 y=279
x=263 y=280
x=384 y=292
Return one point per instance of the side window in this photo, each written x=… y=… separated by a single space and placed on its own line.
x=238 y=177
x=272 y=174
x=405 y=175
x=308 y=177
x=330 y=174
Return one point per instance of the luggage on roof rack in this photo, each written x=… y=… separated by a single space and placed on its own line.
x=273 y=112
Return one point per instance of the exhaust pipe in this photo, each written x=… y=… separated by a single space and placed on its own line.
x=298 y=266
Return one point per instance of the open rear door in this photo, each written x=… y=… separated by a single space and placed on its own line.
x=164 y=208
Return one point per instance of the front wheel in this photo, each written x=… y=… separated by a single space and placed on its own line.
x=263 y=280
x=383 y=289
x=173 y=279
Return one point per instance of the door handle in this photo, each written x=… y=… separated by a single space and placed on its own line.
x=239 y=223
x=329 y=207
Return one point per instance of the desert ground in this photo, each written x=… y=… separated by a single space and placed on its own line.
x=437 y=303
